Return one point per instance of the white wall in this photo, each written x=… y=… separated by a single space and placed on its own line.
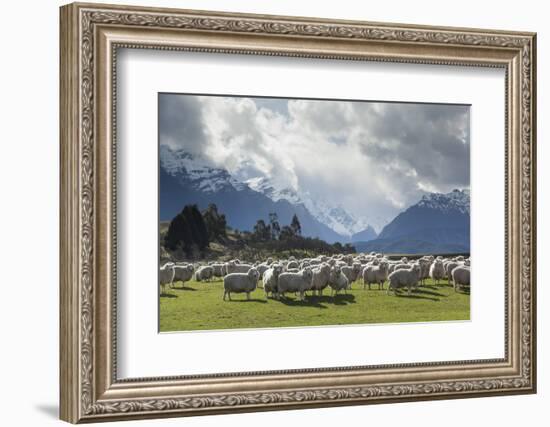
x=29 y=170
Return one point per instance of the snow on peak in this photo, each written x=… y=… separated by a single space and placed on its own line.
x=265 y=186
x=455 y=200
x=203 y=175
x=206 y=177
x=335 y=217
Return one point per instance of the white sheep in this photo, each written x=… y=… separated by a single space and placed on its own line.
x=375 y=274
x=461 y=276
x=270 y=278
x=203 y=273
x=292 y=264
x=183 y=273
x=449 y=267
x=437 y=272
x=218 y=270
x=351 y=272
x=404 y=278
x=166 y=275
x=319 y=279
x=240 y=282
x=262 y=268
x=294 y=282
x=337 y=281
x=237 y=267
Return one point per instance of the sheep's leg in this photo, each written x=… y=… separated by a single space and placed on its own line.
x=224 y=294
x=248 y=295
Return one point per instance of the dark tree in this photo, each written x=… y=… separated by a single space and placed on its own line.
x=215 y=223
x=295 y=225
x=187 y=231
x=179 y=234
x=262 y=232
x=349 y=248
x=274 y=225
x=198 y=227
x=287 y=233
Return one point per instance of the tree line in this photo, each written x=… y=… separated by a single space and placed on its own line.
x=191 y=231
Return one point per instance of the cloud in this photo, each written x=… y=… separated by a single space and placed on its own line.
x=180 y=122
x=372 y=158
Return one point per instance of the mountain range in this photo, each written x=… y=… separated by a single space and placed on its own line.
x=437 y=223
x=186 y=179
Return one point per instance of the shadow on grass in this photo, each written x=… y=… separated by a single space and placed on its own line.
x=343 y=299
x=183 y=288
x=263 y=301
x=307 y=302
x=426 y=292
x=165 y=295
x=465 y=291
x=415 y=295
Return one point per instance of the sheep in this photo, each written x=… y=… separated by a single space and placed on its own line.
x=166 y=276
x=236 y=267
x=240 y=282
x=337 y=281
x=319 y=279
x=401 y=266
x=203 y=273
x=449 y=267
x=183 y=273
x=424 y=269
x=351 y=272
x=375 y=274
x=262 y=268
x=461 y=277
x=292 y=265
x=404 y=278
x=294 y=282
x=437 y=272
x=218 y=269
x=270 y=278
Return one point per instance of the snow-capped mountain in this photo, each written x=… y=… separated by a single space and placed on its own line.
x=456 y=200
x=335 y=217
x=186 y=179
x=438 y=223
x=202 y=176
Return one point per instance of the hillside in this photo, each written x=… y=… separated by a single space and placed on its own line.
x=438 y=223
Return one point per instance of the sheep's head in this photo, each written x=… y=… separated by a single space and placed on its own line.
x=307 y=273
x=325 y=268
x=277 y=269
x=253 y=274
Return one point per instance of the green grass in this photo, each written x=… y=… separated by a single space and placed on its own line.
x=199 y=306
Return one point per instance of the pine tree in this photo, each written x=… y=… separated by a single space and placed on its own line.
x=274 y=225
x=215 y=223
x=295 y=225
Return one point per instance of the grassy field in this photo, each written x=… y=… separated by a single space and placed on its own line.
x=199 y=306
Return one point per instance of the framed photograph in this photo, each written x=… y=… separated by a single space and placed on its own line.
x=266 y=212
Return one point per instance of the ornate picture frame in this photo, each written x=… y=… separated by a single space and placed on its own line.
x=90 y=37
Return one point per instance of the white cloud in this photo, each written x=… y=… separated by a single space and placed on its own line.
x=374 y=159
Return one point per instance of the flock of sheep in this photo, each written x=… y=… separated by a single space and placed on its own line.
x=315 y=274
